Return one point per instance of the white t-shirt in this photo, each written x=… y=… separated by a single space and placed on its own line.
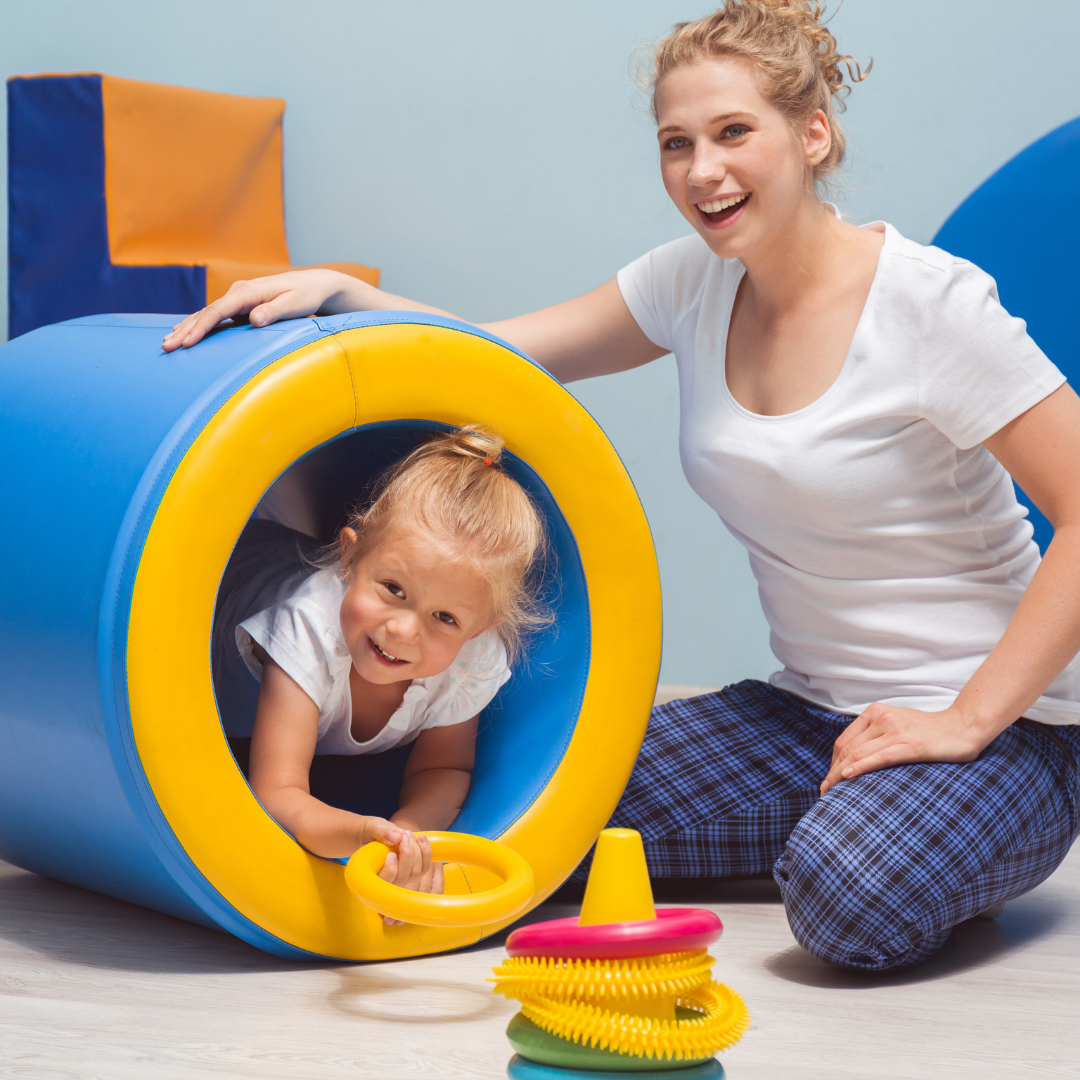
x=888 y=546
x=297 y=622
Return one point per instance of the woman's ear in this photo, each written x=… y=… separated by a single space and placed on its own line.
x=817 y=139
x=347 y=539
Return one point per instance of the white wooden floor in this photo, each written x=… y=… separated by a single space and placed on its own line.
x=92 y=987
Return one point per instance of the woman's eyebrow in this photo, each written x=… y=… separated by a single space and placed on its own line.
x=715 y=120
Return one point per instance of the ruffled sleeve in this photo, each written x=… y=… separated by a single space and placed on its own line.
x=468 y=686
x=301 y=635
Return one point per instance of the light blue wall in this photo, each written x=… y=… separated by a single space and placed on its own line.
x=494 y=157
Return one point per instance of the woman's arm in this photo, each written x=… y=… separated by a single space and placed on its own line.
x=437 y=777
x=1041 y=450
x=594 y=334
x=282 y=746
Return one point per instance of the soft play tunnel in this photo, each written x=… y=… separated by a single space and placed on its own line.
x=128 y=476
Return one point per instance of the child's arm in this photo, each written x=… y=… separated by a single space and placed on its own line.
x=437 y=777
x=282 y=746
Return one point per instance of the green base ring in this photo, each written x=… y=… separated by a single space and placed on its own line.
x=532 y=1042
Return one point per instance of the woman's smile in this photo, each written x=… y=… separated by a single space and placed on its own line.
x=722 y=210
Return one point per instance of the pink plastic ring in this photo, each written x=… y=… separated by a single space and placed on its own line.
x=673 y=930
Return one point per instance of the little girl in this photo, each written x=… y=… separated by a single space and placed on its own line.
x=403 y=639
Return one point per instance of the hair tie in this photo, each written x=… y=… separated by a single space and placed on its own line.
x=487 y=461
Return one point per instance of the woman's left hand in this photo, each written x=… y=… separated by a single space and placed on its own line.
x=884 y=735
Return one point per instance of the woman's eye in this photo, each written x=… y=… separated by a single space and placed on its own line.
x=446 y=617
x=394 y=589
x=736 y=131
x=677 y=143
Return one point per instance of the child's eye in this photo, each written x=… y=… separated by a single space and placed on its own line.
x=446 y=617
x=394 y=589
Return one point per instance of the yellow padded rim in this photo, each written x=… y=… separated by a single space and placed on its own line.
x=361 y=376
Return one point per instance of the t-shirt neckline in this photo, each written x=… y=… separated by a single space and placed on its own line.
x=845 y=367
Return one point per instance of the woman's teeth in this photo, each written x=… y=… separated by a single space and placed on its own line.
x=721 y=204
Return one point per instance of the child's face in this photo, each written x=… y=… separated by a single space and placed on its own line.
x=408 y=609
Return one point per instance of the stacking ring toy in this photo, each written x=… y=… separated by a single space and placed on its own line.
x=497 y=904
x=625 y=987
x=129 y=475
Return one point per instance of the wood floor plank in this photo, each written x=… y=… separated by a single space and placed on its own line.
x=95 y=989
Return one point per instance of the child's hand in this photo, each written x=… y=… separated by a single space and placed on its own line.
x=412 y=867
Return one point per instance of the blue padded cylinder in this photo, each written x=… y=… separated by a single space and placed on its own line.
x=94 y=422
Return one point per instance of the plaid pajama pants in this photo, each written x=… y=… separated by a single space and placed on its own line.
x=875 y=873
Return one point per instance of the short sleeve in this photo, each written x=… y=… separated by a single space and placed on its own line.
x=662 y=285
x=300 y=637
x=469 y=684
x=978 y=367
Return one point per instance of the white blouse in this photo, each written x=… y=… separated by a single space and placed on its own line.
x=302 y=634
x=888 y=545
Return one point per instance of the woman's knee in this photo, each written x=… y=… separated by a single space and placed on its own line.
x=848 y=910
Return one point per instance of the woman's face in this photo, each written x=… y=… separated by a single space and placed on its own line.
x=730 y=159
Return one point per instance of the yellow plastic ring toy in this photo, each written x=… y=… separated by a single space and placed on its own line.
x=430 y=909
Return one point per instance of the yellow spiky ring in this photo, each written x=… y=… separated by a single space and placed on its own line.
x=624 y=987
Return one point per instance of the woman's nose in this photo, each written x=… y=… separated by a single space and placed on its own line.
x=706 y=166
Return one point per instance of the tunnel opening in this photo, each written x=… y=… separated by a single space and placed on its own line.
x=523 y=733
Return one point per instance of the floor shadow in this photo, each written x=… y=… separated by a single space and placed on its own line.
x=971 y=945
x=390 y=996
x=689 y=891
x=749 y=890
x=82 y=927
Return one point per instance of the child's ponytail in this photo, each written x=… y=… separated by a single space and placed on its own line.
x=472 y=441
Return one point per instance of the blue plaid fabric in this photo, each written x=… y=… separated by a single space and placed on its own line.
x=876 y=873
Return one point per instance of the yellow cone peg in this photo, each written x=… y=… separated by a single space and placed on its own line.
x=624 y=985
x=618 y=889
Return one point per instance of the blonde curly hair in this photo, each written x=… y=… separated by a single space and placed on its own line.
x=794 y=52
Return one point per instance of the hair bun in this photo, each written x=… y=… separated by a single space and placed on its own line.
x=474 y=441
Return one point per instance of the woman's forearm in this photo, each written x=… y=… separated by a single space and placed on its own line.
x=432 y=799
x=355 y=295
x=1041 y=639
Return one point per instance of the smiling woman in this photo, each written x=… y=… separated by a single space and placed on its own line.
x=852 y=404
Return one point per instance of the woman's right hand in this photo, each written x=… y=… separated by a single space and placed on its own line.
x=292 y=295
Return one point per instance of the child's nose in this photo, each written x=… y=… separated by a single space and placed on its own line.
x=404 y=627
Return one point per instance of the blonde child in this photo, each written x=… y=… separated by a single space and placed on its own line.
x=404 y=638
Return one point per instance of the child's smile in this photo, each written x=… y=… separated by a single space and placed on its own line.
x=384 y=656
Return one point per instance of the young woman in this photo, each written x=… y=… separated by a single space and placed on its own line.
x=852 y=406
